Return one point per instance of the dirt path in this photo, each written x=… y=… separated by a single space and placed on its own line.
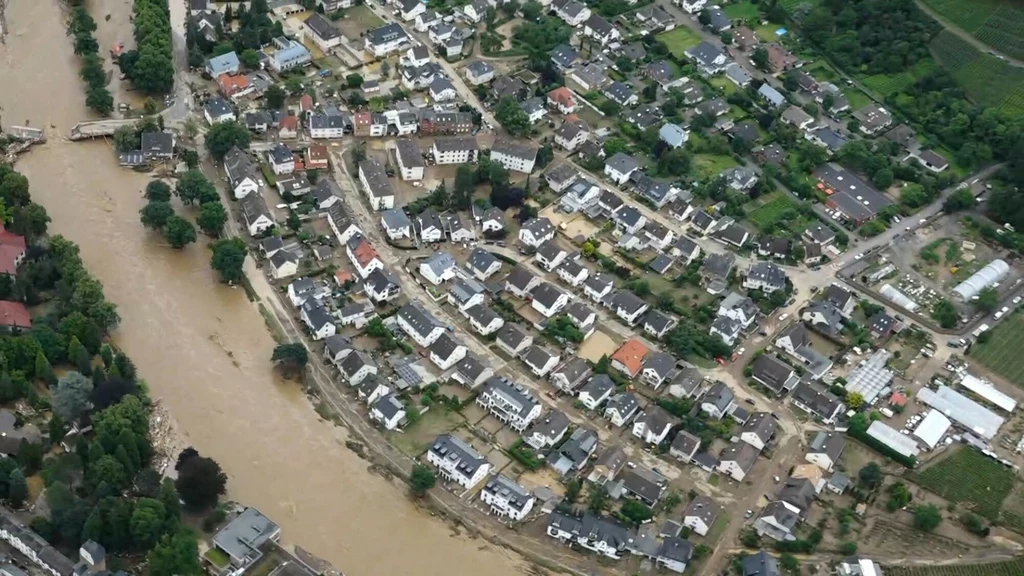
x=966 y=36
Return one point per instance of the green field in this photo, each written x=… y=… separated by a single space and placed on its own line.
x=679 y=40
x=997 y=23
x=772 y=210
x=886 y=84
x=986 y=79
x=969 y=476
x=745 y=10
x=711 y=165
x=1008 y=568
x=1001 y=353
x=793 y=5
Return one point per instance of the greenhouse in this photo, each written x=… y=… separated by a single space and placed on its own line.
x=995 y=271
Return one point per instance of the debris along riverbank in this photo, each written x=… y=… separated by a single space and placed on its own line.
x=19 y=139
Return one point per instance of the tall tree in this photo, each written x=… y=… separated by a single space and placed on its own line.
x=179 y=232
x=200 y=482
x=17 y=488
x=71 y=398
x=228 y=259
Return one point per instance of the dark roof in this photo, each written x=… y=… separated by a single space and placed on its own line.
x=322 y=27
x=409 y=153
x=761 y=564
x=820 y=401
x=762 y=425
x=646 y=488
x=829 y=443
x=598 y=386
x=771 y=371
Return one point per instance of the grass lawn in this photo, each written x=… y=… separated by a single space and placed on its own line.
x=415 y=439
x=710 y=165
x=971 y=477
x=857 y=98
x=1001 y=352
x=767 y=33
x=679 y=40
x=821 y=71
x=217 y=557
x=364 y=17
x=742 y=11
x=771 y=208
x=724 y=84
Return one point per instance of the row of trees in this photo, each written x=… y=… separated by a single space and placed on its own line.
x=151 y=65
x=81 y=27
x=158 y=215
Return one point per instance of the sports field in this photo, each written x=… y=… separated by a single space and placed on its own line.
x=997 y=23
x=1001 y=352
x=986 y=79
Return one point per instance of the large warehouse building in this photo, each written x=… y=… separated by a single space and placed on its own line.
x=995 y=271
x=962 y=410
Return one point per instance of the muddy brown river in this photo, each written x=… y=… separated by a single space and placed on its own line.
x=202 y=347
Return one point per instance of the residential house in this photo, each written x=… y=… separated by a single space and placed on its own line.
x=484 y=320
x=419 y=324
x=341 y=223
x=652 y=425
x=547 y=430
x=574 y=13
x=479 y=72
x=771 y=95
x=506 y=498
x=796 y=341
x=288 y=54
x=493 y=221
x=795 y=116
x=581 y=195
x=738 y=75
x=629 y=358
x=659 y=367
x=601 y=30
x=382 y=286
x=438 y=267
x=737 y=460
x=628 y=306
x=218 y=110
x=590 y=77
x=549 y=300
x=410 y=159
x=520 y=281
x=356 y=367
x=778 y=521
x=819 y=234
x=619 y=167
x=457 y=461
x=826 y=138
x=658 y=323
x=780 y=59
x=410 y=9
x=455 y=150
x=375 y=184
x=317 y=319
x=758 y=430
x=718 y=21
x=363 y=255
x=582 y=317
x=571 y=134
x=396 y=224
x=563 y=100
x=574 y=453
x=513 y=339
x=825 y=450
x=817 y=402
x=241 y=173
x=673 y=134
x=873 y=118
x=842 y=299
x=684 y=446
x=700 y=514
x=564 y=56
x=774 y=374
x=708 y=58
x=482 y=264
x=388 y=411
x=608 y=465
x=511 y=403
x=429 y=224
x=321 y=31
x=643 y=485
x=323 y=126
x=598 y=287
x=223 y=64
x=441 y=89
x=596 y=391
x=446 y=352
x=549 y=255
x=761 y=564
x=718 y=400
x=621 y=408
x=600 y=535
x=256 y=214
x=766 y=277
x=427 y=20
x=536 y=232
x=514 y=156
x=571 y=374
x=386 y=39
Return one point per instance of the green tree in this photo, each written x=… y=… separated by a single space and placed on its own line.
x=224 y=136
x=249 y=58
x=599 y=500
x=961 y=199
x=988 y=299
x=275 y=97
x=945 y=314
x=17 y=488
x=126 y=139
x=635 y=511
x=175 y=555
x=512 y=117
x=848 y=548
x=211 y=219
x=155 y=214
x=927 y=517
x=71 y=398
x=871 y=476
x=43 y=370
x=899 y=496
x=854 y=400
x=200 y=482
x=107 y=469
x=292 y=357
x=789 y=563
x=760 y=58
x=158 y=191
x=354 y=80
x=194 y=188
x=228 y=259
x=421 y=480
x=147 y=522
x=179 y=232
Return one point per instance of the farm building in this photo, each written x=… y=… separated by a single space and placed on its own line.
x=993 y=272
x=870 y=376
x=932 y=428
x=988 y=392
x=963 y=411
x=893 y=439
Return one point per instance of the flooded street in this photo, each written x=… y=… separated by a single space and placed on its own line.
x=203 y=347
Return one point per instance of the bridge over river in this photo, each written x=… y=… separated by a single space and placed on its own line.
x=98 y=128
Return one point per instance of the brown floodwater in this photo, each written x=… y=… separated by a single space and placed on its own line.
x=202 y=347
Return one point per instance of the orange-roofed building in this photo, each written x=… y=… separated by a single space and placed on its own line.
x=12 y=252
x=234 y=86
x=362 y=124
x=316 y=157
x=306 y=103
x=343 y=277
x=14 y=315
x=898 y=399
x=562 y=99
x=363 y=256
x=288 y=127
x=629 y=358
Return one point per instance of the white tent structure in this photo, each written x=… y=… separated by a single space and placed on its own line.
x=995 y=271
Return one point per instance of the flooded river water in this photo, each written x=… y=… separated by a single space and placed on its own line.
x=203 y=347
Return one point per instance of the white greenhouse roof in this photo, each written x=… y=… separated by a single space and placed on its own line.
x=870 y=377
x=932 y=428
x=898 y=297
x=963 y=411
x=990 y=274
x=893 y=439
x=988 y=392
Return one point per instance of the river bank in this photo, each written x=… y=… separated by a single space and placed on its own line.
x=203 y=347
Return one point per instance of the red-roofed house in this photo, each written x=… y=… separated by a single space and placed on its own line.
x=363 y=256
x=362 y=124
x=316 y=157
x=288 y=127
x=306 y=103
x=234 y=86
x=12 y=252
x=629 y=358
x=14 y=315
x=562 y=99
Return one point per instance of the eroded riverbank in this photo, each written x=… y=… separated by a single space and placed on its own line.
x=203 y=347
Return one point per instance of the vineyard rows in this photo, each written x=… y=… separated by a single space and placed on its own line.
x=1008 y=568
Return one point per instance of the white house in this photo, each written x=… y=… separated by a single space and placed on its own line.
x=322 y=32
x=549 y=300
x=540 y=360
x=410 y=159
x=536 y=232
x=620 y=408
x=241 y=172
x=410 y=9
x=455 y=150
x=375 y=183
x=511 y=403
x=457 y=461
x=387 y=39
x=430 y=227
x=484 y=320
x=396 y=224
x=256 y=214
x=356 y=367
x=282 y=161
x=691 y=6
x=507 y=499
x=619 y=167
x=700 y=514
x=574 y=13
x=419 y=324
x=737 y=460
x=446 y=352
x=218 y=110
x=652 y=426
x=514 y=156
x=439 y=267
x=388 y=411
x=549 y=255
x=596 y=391
x=283 y=264
x=318 y=320
x=363 y=255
